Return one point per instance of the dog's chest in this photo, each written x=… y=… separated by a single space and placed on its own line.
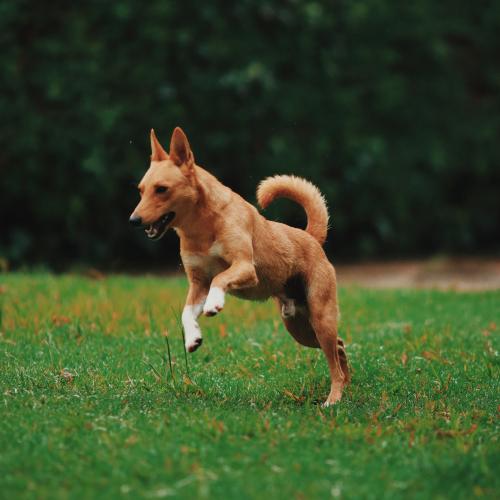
x=209 y=261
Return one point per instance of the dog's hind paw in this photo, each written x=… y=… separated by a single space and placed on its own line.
x=334 y=396
x=330 y=403
x=214 y=302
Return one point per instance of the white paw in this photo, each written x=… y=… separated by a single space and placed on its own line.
x=192 y=332
x=193 y=344
x=214 y=302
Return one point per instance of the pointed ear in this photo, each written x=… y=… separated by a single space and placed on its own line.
x=180 y=151
x=157 y=152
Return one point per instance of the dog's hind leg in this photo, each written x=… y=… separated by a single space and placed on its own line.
x=343 y=360
x=299 y=327
x=323 y=311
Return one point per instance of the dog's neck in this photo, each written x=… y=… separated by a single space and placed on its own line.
x=212 y=198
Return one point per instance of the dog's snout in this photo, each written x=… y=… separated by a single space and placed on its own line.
x=135 y=220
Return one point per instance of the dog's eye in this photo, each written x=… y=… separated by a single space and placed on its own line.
x=160 y=189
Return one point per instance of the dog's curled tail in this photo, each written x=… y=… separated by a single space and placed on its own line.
x=302 y=192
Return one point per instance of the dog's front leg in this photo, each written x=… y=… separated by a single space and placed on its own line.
x=241 y=274
x=192 y=310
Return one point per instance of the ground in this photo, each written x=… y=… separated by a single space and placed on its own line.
x=99 y=399
x=445 y=273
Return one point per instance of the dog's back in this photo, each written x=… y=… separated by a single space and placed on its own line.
x=282 y=252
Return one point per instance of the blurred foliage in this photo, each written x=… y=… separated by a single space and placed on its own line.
x=392 y=108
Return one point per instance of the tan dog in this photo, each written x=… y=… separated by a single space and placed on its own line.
x=228 y=247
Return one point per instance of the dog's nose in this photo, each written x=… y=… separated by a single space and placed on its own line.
x=135 y=220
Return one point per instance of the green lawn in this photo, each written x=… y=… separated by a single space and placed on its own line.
x=92 y=405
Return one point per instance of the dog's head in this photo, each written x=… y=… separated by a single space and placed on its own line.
x=168 y=189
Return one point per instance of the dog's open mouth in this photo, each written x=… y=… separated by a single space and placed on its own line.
x=156 y=230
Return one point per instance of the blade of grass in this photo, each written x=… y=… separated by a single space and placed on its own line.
x=153 y=368
x=169 y=354
x=170 y=359
x=179 y=322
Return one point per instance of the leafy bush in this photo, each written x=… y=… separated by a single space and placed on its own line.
x=392 y=108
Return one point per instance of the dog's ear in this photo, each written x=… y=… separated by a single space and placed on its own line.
x=157 y=151
x=180 y=151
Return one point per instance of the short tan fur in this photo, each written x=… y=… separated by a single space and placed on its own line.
x=227 y=246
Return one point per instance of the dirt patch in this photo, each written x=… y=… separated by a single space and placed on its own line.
x=464 y=273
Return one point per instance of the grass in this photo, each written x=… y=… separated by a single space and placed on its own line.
x=92 y=404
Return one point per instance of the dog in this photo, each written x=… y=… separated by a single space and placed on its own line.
x=227 y=246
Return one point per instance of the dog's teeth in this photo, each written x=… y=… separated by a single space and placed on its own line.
x=157 y=229
x=151 y=231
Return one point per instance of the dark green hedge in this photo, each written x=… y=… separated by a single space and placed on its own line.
x=392 y=108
